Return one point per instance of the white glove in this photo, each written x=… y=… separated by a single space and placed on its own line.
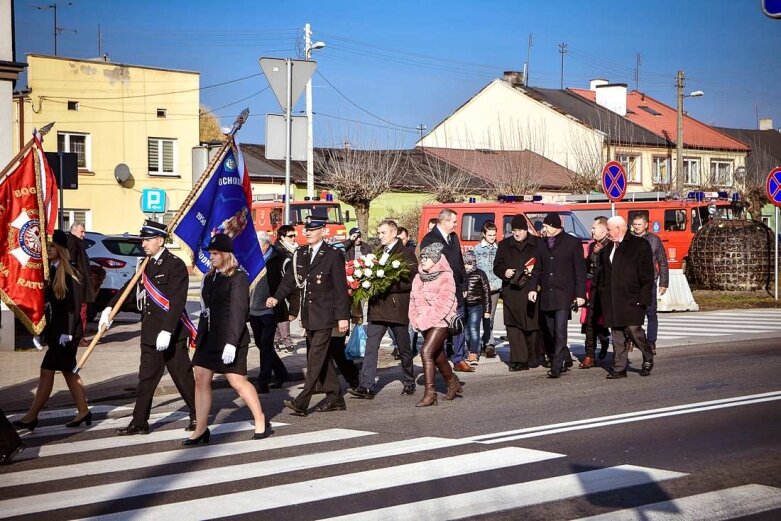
x=64 y=339
x=163 y=340
x=37 y=342
x=228 y=354
x=104 y=319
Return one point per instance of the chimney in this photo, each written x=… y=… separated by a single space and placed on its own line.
x=514 y=78
x=765 y=123
x=596 y=82
x=612 y=96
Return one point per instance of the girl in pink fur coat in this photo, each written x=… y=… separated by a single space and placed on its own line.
x=432 y=306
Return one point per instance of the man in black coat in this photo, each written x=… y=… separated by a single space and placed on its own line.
x=318 y=274
x=444 y=233
x=562 y=283
x=164 y=337
x=80 y=260
x=389 y=312
x=625 y=284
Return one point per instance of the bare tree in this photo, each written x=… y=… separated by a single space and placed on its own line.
x=359 y=176
x=759 y=163
x=587 y=164
x=447 y=183
x=209 y=126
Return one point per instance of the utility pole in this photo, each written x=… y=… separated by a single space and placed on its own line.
x=310 y=155
x=100 y=42
x=679 y=136
x=562 y=51
x=421 y=128
x=529 y=46
x=637 y=72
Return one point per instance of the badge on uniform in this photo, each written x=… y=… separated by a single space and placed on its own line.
x=319 y=276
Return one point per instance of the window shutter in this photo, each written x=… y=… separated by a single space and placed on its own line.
x=168 y=156
x=153 y=155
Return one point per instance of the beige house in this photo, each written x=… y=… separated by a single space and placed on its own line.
x=132 y=127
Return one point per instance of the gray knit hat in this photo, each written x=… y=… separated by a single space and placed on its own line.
x=470 y=257
x=432 y=251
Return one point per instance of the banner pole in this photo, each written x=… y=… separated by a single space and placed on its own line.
x=240 y=120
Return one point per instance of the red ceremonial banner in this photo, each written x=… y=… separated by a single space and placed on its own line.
x=23 y=260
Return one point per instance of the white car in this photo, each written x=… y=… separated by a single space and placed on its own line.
x=118 y=255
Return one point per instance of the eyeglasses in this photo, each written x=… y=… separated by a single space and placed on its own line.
x=293 y=236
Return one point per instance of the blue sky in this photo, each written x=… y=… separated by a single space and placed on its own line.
x=413 y=63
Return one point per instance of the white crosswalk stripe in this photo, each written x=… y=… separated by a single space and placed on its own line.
x=152 y=477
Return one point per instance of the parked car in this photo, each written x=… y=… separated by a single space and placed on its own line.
x=118 y=255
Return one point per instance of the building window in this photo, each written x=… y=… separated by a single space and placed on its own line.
x=691 y=171
x=162 y=156
x=73 y=105
x=70 y=216
x=472 y=225
x=161 y=113
x=631 y=166
x=661 y=170
x=721 y=172
x=79 y=144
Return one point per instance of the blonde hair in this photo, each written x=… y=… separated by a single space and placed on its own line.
x=231 y=265
x=64 y=270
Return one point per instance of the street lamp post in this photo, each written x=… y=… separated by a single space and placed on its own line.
x=679 y=137
x=310 y=156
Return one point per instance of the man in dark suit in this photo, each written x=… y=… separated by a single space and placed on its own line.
x=562 y=283
x=162 y=293
x=444 y=233
x=80 y=260
x=625 y=283
x=318 y=275
x=389 y=312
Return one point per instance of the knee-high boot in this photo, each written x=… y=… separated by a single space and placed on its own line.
x=433 y=340
x=453 y=385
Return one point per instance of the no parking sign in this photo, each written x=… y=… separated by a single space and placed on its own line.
x=774 y=186
x=614 y=181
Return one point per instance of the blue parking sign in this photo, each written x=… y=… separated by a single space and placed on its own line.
x=772 y=8
x=153 y=200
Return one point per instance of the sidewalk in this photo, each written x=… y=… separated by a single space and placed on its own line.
x=111 y=372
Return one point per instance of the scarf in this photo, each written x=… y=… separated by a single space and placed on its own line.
x=428 y=277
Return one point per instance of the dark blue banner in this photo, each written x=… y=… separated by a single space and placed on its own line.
x=222 y=207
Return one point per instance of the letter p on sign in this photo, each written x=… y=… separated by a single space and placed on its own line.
x=153 y=200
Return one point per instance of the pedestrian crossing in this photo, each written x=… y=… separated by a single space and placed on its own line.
x=682 y=328
x=325 y=473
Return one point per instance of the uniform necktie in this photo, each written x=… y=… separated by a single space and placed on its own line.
x=551 y=242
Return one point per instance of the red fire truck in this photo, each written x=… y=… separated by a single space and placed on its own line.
x=675 y=221
x=268 y=216
x=472 y=216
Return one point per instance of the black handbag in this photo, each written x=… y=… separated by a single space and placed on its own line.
x=455 y=325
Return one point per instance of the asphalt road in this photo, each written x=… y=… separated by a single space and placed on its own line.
x=698 y=439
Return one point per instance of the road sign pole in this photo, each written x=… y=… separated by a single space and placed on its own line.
x=288 y=136
x=612 y=209
x=776 y=264
x=61 y=212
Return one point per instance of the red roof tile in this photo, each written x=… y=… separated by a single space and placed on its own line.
x=665 y=124
x=486 y=163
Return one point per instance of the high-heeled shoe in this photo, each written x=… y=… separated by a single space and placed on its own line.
x=31 y=425
x=87 y=418
x=265 y=434
x=203 y=438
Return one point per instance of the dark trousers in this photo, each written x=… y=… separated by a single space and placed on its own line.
x=652 y=317
x=150 y=371
x=620 y=336
x=594 y=332
x=488 y=323
x=346 y=367
x=263 y=329
x=555 y=323
x=374 y=333
x=522 y=345
x=320 y=370
x=9 y=438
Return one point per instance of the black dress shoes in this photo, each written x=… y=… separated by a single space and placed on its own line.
x=297 y=411
x=646 y=369
x=602 y=352
x=361 y=392
x=551 y=374
x=616 y=375
x=277 y=384
x=515 y=366
x=191 y=426
x=263 y=435
x=87 y=419
x=131 y=429
x=8 y=457
x=408 y=389
x=330 y=407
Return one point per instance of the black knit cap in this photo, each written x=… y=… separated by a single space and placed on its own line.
x=221 y=242
x=60 y=237
x=553 y=220
x=519 y=223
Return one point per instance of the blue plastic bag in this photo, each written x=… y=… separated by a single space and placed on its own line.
x=356 y=345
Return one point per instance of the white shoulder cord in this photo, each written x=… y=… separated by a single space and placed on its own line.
x=299 y=283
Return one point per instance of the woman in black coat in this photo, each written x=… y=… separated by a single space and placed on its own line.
x=222 y=342
x=517 y=263
x=63 y=334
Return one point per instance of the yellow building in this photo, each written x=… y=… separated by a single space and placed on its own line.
x=116 y=118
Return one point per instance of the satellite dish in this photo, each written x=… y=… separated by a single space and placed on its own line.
x=122 y=173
